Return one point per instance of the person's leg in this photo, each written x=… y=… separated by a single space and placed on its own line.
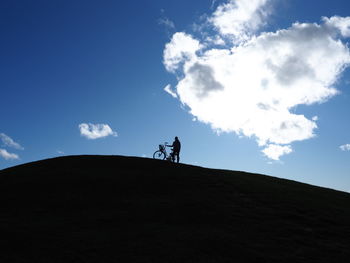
x=177 y=157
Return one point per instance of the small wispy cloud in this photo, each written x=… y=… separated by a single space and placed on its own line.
x=166 y=22
x=345 y=147
x=213 y=2
x=96 y=131
x=8 y=156
x=169 y=90
x=8 y=141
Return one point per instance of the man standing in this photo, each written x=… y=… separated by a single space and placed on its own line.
x=176 y=149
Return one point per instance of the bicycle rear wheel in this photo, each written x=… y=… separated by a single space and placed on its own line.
x=159 y=155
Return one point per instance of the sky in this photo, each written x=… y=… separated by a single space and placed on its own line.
x=259 y=86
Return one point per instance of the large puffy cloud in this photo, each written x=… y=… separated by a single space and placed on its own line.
x=8 y=156
x=96 y=131
x=8 y=141
x=253 y=88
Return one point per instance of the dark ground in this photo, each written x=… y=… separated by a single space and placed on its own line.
x=127 y=209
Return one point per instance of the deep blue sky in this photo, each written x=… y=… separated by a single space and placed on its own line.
x=63 y=63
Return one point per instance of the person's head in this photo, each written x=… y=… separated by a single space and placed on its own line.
x=176 y=139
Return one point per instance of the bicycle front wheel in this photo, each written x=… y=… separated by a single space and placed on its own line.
x=159 y=155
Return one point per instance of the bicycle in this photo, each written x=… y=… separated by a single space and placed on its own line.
x=161 y=153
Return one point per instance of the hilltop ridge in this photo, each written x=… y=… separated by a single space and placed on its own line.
x=129 y=209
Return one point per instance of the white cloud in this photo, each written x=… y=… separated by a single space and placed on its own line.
x=96 y=131
x=181 y=48
x=8 y=156
x=253 y=88
x=274 y=151
x=240 y=18
x=213 y=2
x=217 y=40
x=339 y=23
x=166 y=22
x=169 y=90
x=345 y=147
x=7 y=141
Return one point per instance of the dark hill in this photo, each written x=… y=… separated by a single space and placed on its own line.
x=127 y=209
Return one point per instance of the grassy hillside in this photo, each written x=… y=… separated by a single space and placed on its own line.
x=127 y=209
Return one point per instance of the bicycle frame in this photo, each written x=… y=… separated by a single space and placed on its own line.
x=162 y=148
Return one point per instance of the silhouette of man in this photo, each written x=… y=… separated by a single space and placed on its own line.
x=176 y=150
